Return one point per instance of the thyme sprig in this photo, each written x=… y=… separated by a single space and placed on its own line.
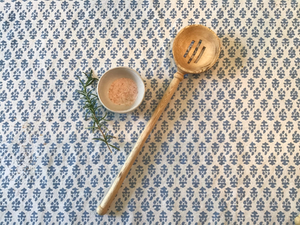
x=91 y=106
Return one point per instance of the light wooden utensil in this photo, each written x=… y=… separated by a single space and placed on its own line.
x=196 y=48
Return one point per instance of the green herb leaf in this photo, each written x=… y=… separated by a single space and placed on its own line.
x=90 y=104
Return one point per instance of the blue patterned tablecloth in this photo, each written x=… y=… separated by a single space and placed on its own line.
x=225 y=150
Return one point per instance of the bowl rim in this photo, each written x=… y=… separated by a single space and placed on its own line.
x=135 y=74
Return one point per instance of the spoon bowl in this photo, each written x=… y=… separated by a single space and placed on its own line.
x=196 y=48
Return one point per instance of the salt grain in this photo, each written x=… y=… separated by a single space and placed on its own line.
x=123 y=91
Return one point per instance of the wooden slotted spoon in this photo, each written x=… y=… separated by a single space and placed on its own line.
x=196 y=48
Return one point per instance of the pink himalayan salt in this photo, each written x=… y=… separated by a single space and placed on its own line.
x=123 y=91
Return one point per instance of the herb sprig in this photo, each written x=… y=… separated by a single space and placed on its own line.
x=91 y=106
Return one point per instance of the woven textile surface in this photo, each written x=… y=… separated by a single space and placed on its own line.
x=224 y=151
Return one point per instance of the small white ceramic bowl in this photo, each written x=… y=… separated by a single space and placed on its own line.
x=109 y=77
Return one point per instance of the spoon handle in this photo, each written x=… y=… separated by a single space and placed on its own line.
x=103 y=207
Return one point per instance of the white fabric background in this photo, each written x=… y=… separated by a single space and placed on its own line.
x=225 y=151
